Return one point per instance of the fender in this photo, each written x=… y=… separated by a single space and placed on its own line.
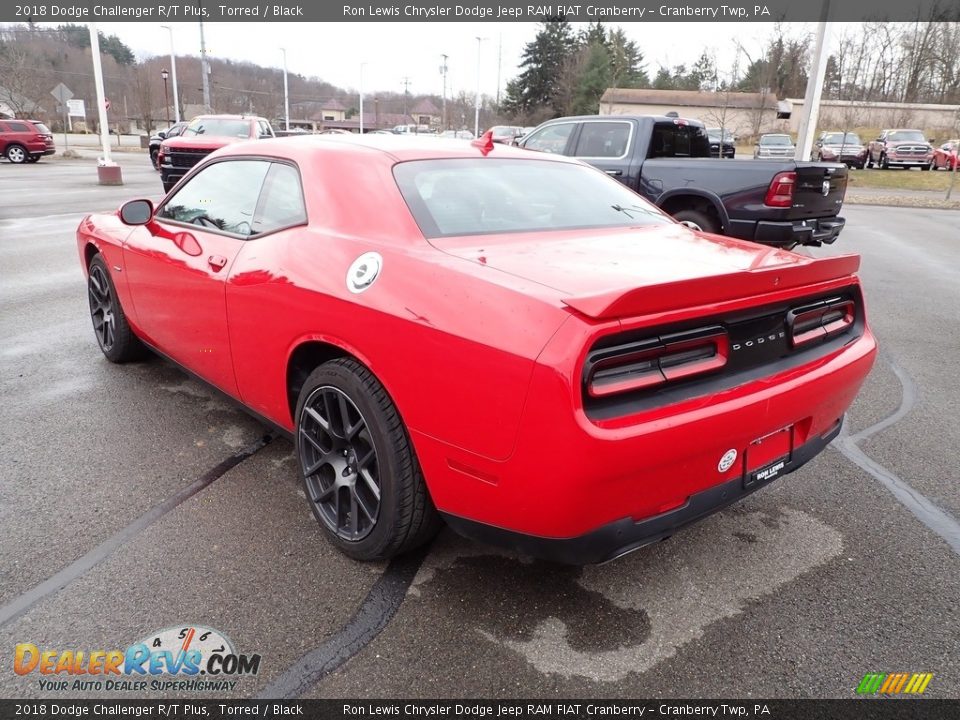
x=712 y=198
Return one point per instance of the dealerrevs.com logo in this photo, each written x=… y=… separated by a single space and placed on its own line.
x=186 y=658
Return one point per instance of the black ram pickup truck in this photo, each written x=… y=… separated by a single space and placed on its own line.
x=667 y=160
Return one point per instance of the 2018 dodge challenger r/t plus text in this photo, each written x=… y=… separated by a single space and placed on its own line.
x=512 y=342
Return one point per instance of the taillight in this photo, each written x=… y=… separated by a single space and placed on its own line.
x=780 y=192
x=656 y=361
x=820 y=321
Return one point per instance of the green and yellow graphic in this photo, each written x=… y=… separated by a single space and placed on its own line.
x=894 y=683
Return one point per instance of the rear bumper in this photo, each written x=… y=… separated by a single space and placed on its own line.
x=623 y=536
x=816 y=231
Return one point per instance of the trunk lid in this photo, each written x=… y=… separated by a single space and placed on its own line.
x=633 y=271
x=819 y=190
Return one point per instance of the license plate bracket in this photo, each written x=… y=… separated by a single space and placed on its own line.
x=768 y=457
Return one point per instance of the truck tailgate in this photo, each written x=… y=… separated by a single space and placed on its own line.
x=819 y=190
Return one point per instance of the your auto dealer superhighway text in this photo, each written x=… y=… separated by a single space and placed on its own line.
x=533 y=11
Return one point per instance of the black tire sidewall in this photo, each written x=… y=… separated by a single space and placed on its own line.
x=390 y=462
x=705 y=222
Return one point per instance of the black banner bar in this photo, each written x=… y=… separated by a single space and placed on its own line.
x=646 y=11
x=854 y=709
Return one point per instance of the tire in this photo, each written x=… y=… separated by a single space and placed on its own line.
x=360 y=473
x=884 y=165
x=869 y=161
x=168 y=185
x=154 y=155
x=926 y=167
x=110 y=326
x=697 y=220
x=17 y=154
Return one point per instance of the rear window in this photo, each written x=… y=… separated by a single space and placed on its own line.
x=219 y=127
x=678 y=140
x=41 y=128
x=474 y=196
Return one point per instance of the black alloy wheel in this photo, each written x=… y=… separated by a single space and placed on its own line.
x=114 y=336
x=360 y=472
x=339 y=462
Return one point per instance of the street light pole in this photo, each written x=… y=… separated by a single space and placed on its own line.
x=166 y=96
x=443 y=71
x=108 y=172
x=361 y=97
x=476 y=114
x=286 y=94
x=204 y=70
x=173 y=72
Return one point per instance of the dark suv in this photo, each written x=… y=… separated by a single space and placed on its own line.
x=25 y=140
x=155 y=141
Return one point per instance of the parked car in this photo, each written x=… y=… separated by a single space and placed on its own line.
x=510 y=341
x=774 y=146
x=844 y=147
x=729 y=143
x=203 y=135
x=161 y=135
x=667 y=160
x=25 y=141
x=945 y=156
x=900 y=148
x=506 y=134
x=457 y=134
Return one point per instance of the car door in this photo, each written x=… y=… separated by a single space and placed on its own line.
x=177 y=265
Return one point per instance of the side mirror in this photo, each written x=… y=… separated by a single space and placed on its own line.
x=162 y=134
x=136 y=212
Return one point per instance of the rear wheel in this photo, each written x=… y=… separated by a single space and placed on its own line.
x=17 y=154
x=697 y=220
x=360 y=473
x=116 y=339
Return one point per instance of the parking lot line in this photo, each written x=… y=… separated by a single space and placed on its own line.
x=21 y=604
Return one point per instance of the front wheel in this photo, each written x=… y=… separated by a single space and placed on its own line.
x=697 y=220
x=884 y=163
x=360 y=473
x=116 y=339
x=927 y=167
x=155 y=159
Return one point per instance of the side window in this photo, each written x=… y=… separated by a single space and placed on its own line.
x=673 y=140
x=18 y=127
x=603 y=140
x=175 y=131
x=281 y=202
x=552 y=139
x=222 y=196
x=4 y=128
x=263 y=130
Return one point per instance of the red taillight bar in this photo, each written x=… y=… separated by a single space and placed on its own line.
x=820 y=321
x=675 y=357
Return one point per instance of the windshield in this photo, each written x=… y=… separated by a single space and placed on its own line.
x=219 y=127
x=907 y=136
x=486 y=196
x=776 y=140
x=841 y=139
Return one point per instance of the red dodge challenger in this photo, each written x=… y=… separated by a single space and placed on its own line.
x=512 y=342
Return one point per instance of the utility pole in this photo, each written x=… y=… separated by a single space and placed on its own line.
x=443 y=71
x=361 y=97
x=108 y=172
x=499 y=67
x=406 y=93
x=204 y=68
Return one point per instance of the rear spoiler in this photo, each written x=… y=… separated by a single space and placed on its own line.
x=680 y=294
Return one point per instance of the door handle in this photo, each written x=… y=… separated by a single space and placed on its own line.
x=217 y=262
x=615 y=173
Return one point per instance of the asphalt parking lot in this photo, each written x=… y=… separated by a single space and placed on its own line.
x=132 y=499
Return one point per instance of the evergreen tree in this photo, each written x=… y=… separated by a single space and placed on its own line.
x=594 y=79
x=626 y=62
x=536 y=86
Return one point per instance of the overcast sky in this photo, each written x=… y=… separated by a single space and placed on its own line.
x=392 y=51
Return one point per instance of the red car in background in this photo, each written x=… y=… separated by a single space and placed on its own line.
x=513 y=342
x=23 y=141
x=945 y=156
